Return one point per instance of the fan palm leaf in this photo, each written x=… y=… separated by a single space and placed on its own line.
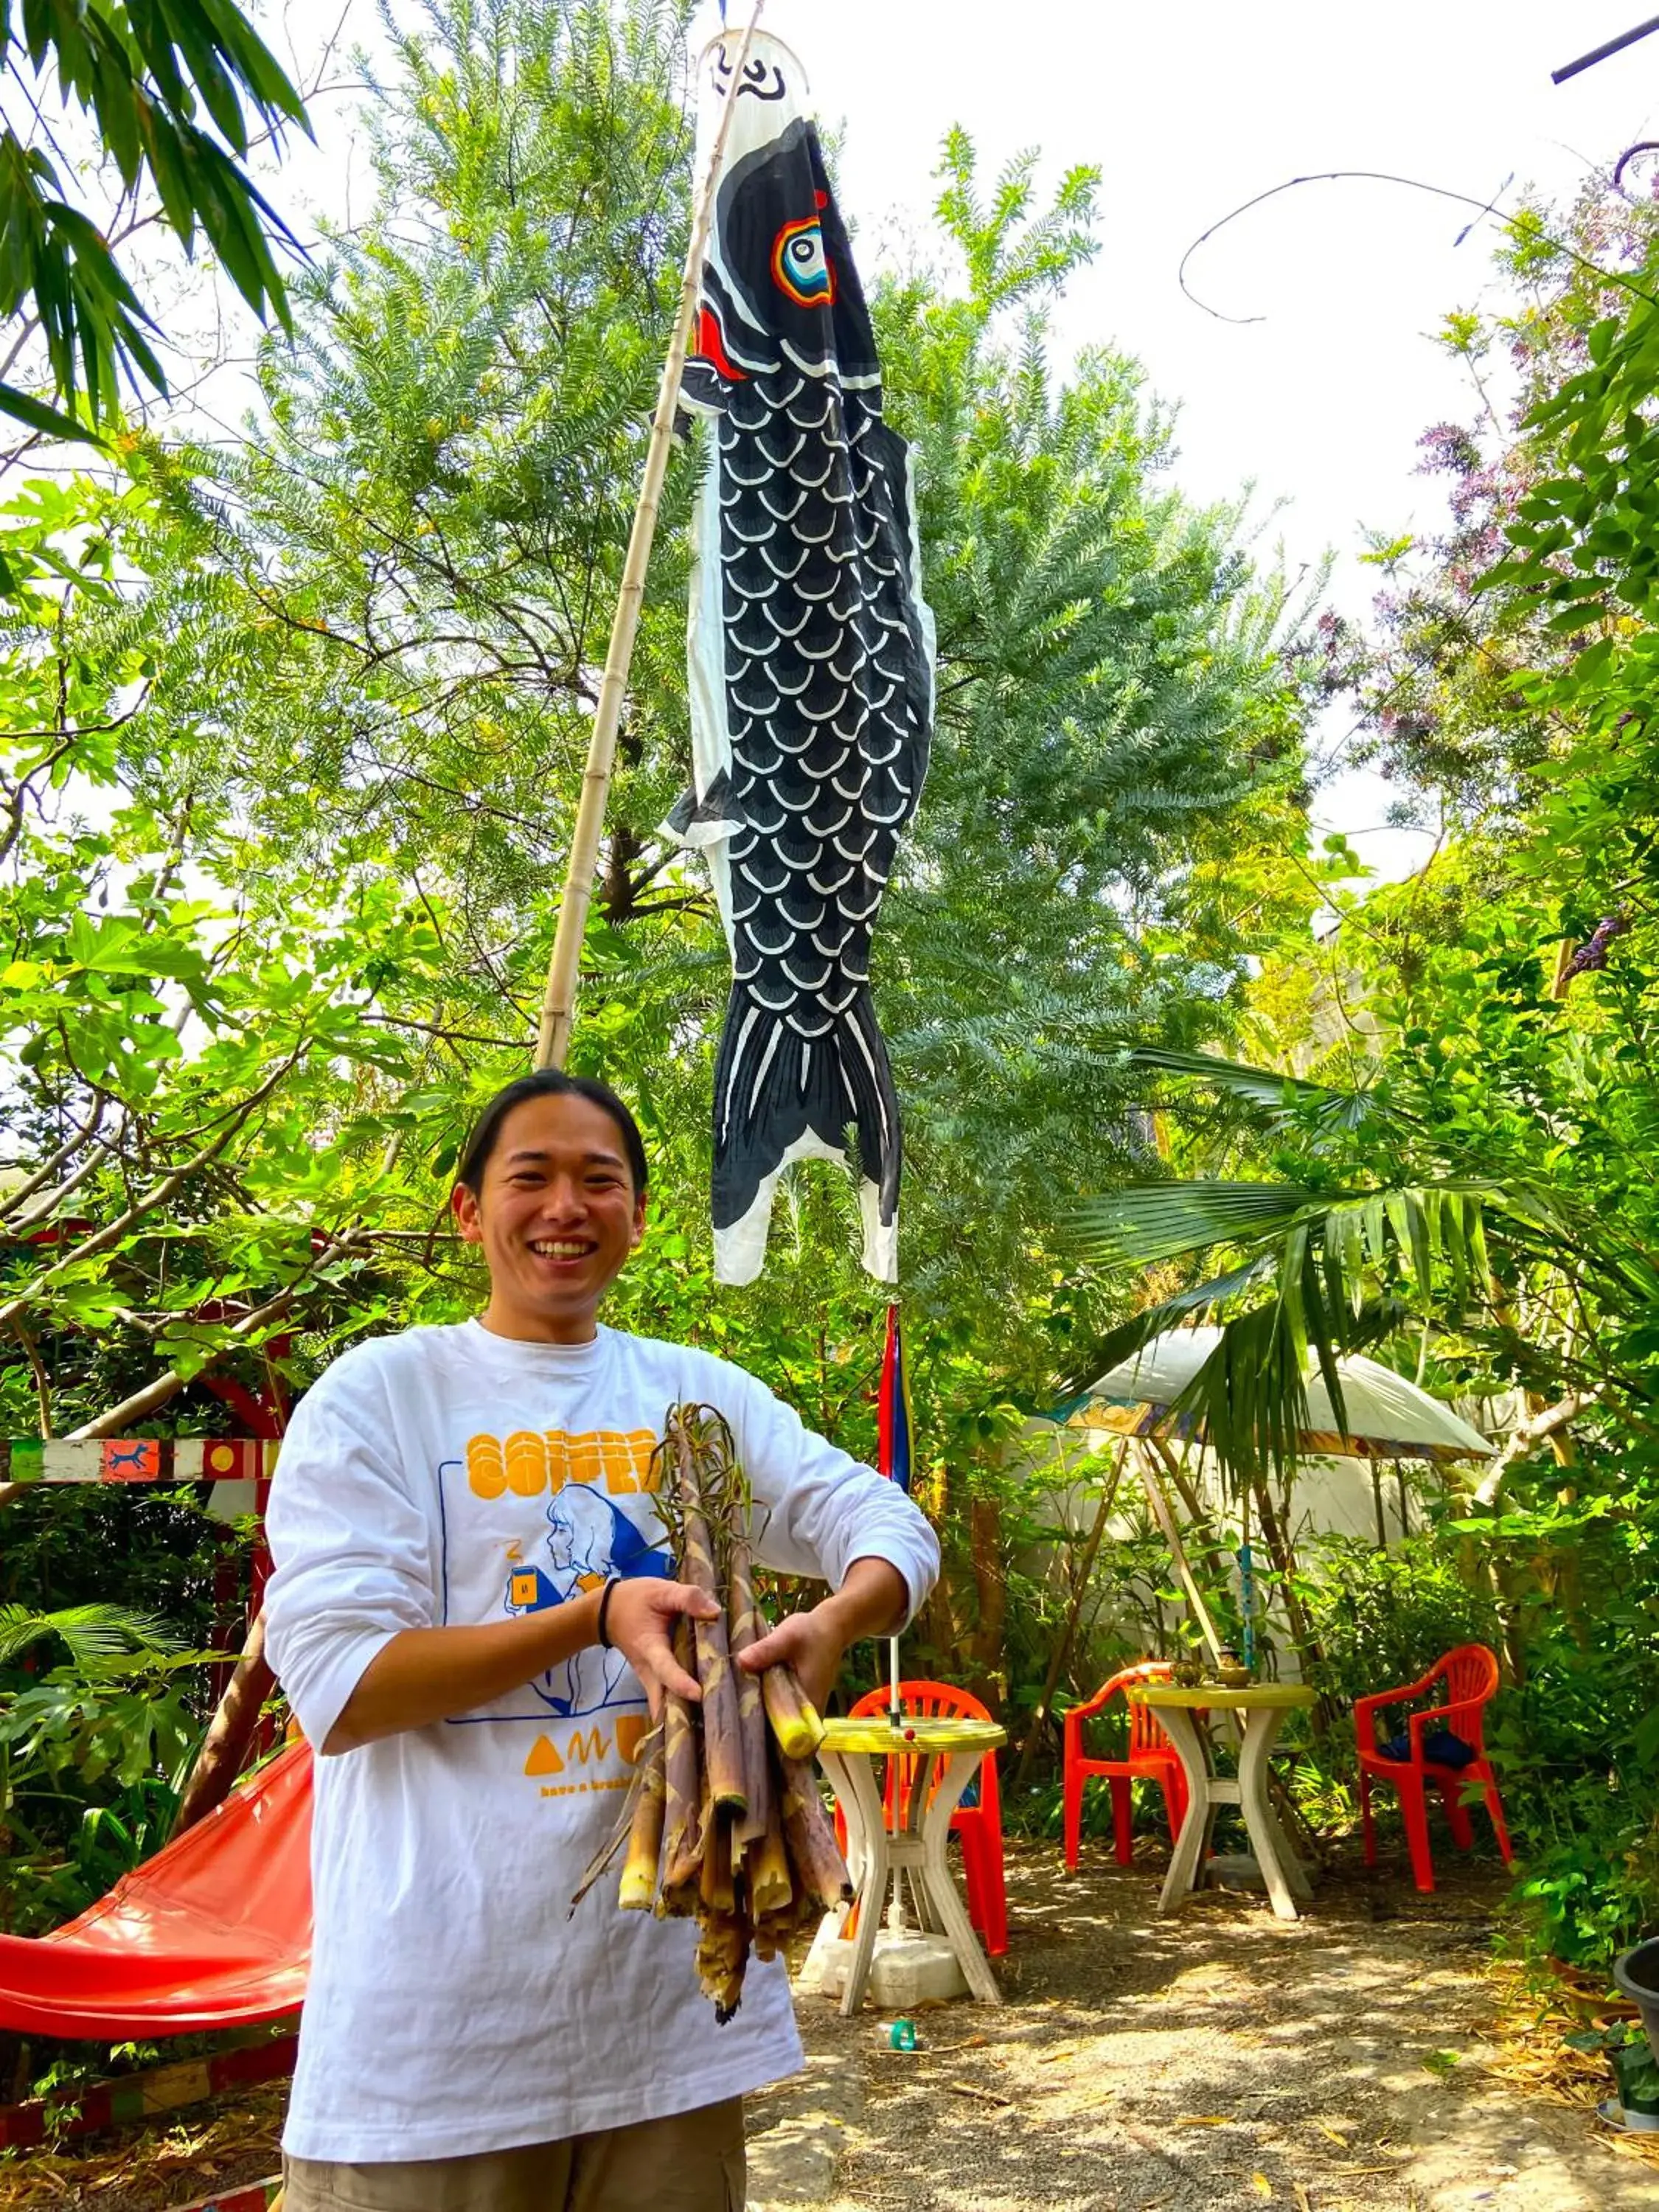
x=1310 y=1273
x=1325 y=1259
x=1279 y=1099
x=96 y=1635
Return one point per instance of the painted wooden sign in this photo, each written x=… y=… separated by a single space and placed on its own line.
x=136 y=1459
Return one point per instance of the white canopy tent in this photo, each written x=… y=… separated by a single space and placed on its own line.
x=1388 y=1417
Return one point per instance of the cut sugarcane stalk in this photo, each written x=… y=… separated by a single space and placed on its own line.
x=722 y=1746
x=681 y=1777
x=721 y=1824
x=766 y=1869
x=818 y=1864
x=722 y=1955
x=717 y=1889
x=608 y=1850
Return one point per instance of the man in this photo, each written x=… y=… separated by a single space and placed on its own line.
x=435 y=1620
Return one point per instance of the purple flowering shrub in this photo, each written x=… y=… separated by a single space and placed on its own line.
x=1439 y=677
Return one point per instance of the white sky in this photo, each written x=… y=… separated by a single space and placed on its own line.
x=1188 y=110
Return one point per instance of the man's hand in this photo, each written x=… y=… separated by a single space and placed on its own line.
x=639 y=1622
x=871 y=1601
x=810 y=1643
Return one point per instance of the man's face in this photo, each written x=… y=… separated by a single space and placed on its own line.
x=557 y=1216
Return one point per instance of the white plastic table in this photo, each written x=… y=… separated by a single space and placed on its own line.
x=1260 y=1709
x=954 y=1750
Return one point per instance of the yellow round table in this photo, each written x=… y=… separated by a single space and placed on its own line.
x=1261 y=1708
x=952 y=1749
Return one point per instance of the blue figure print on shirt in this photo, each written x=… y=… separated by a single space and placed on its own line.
x=589 y=1540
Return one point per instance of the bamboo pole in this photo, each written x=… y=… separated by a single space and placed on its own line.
x=1190 y=1499
x=559 y=999
x=1166 y=1522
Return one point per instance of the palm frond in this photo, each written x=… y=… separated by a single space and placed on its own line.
x=1150 y=1222
x=1333 y=1261
x=1278 y=1099
x=1250 y=1399
x=1104 y=1352
x=95 y=1634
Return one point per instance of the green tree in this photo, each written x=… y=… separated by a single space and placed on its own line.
x=1463 y=1173
x=198 y=1084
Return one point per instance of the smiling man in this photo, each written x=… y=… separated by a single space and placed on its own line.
x=471 y=1616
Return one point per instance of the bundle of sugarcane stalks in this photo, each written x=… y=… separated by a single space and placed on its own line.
x=723 y=1822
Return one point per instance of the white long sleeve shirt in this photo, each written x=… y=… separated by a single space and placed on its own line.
x=452 y=1475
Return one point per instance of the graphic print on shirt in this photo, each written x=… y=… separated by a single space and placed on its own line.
x=537 y=1554
x=590 y=1541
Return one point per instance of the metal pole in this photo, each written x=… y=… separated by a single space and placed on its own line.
x=1601 y=53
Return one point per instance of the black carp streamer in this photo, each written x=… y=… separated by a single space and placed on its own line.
x=812 y=672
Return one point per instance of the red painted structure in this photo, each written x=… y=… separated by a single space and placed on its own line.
x=138 y=2097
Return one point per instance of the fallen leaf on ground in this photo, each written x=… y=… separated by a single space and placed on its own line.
x=1262 y=2185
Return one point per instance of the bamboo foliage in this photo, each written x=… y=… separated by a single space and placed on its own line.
x=724 y=1823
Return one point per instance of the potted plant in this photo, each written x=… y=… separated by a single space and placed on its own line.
x=1635 y=2072
x=1636 y=1977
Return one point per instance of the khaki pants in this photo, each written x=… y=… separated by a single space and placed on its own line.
x=690 y=2162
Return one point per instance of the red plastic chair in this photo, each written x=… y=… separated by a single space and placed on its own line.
x=1470 y=1678
x=979 y=1826
x=1151 y=1756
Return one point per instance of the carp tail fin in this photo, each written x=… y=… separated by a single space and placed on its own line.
x=781 y=1097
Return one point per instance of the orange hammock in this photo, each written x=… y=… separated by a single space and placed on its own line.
x=214 y=1931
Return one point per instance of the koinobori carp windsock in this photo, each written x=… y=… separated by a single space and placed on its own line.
x=811 y=667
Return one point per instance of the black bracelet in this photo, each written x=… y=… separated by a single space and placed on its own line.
x=605 y=1641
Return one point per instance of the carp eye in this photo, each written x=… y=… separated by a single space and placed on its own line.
x=801 y=267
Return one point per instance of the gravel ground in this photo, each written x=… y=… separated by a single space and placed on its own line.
x=1220 y=2058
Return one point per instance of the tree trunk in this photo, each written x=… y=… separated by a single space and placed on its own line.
x=986 y=1646
x=1543 y=1426
x=230 y=1733
x=616 y=895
